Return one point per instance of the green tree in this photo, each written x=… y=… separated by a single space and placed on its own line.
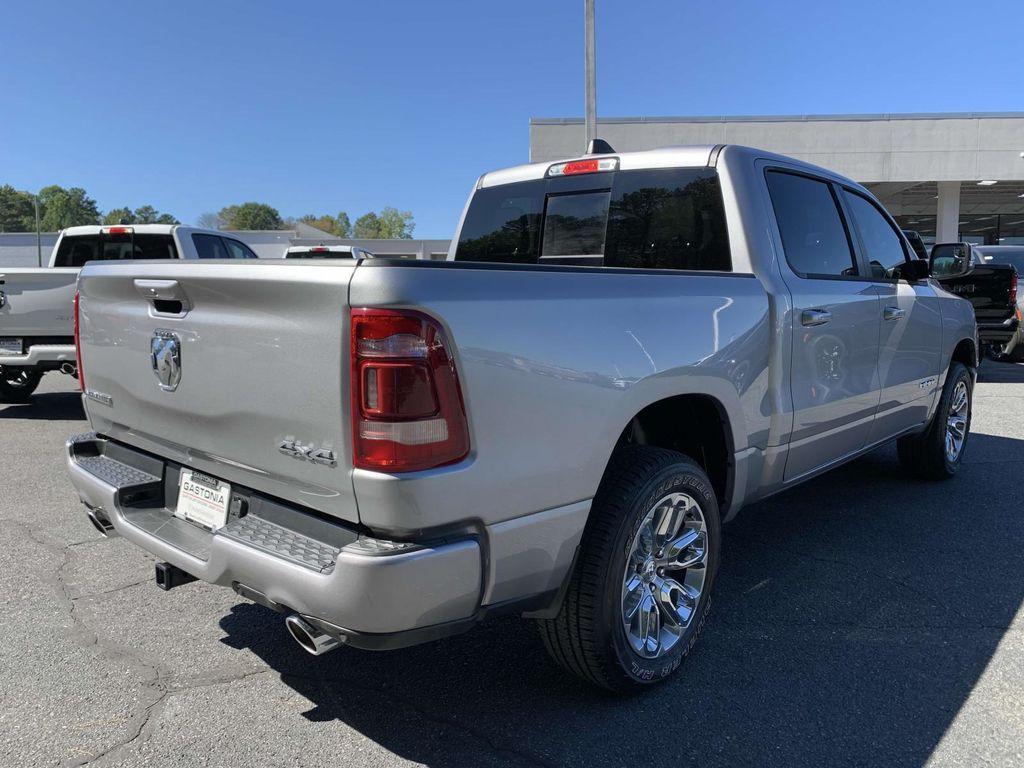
x=145 y=214
x=119 y=216
x=389 y=224
x=61 y=208
x=251 y=216
x=17 y=210
x=339 y=225
x=395 y=224
x=367 y=227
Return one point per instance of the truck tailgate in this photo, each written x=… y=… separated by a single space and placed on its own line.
x=988 y=288
x=262 y=348
x=37 y=302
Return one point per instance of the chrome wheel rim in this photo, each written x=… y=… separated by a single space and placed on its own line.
x=664 y=575
x=17 y=380
x=956 y=421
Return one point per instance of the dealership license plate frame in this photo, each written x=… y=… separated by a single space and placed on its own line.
x=12 y=345
x=203 y=500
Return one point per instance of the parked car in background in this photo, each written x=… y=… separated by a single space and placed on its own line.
x=991 y=287
x=326 y=252
x=621 y=352
x=1014 y=256
x=36 y=333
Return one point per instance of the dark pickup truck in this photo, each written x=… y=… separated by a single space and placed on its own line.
x=990 y=287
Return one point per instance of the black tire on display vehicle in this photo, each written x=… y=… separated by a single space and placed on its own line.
x=18 y=384
x=641 y=588
x=938 y=452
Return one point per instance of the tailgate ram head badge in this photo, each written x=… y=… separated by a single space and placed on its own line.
x=165 y=354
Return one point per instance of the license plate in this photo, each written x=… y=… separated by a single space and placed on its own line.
x=203 y=500
x=11 y=346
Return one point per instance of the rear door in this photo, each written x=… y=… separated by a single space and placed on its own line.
x=834 y=323
x=253 y=354
x=911 y=324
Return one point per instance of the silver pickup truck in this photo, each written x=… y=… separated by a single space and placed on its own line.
x=36 y=332
x=621 y=351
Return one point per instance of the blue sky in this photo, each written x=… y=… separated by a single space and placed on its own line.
x=320 y=107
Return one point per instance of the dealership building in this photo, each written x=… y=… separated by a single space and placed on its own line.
x=950 y=176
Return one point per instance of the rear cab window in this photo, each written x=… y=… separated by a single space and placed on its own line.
x=78 y=250
x=672 y=218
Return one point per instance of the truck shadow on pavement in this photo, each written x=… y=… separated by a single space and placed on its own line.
x=853 y=618
x=47 y=406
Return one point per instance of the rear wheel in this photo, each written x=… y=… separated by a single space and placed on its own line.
x=18 y=384
x=641 y=589
x=938 y=453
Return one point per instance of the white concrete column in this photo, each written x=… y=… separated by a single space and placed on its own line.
x=947 y=224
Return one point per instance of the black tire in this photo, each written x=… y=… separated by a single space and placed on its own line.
x=18 y=384
x=588 y=637
x=925 y=454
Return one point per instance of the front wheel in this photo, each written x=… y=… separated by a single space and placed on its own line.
x=641 y=589
x=938 y=453
x=18 y=384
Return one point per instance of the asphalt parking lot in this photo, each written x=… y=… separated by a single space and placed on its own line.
x=862 y=619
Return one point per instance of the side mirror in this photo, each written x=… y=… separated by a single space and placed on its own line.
x=950 y=260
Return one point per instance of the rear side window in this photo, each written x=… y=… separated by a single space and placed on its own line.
x=209 y=247
x=813 y=235
x=882 y=245
x=646 y=219
x=77 y=250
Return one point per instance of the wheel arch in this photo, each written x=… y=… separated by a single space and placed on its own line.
x=697 y=425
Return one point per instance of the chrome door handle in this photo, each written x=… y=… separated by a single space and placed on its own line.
x=893 y=313
x=815 y=317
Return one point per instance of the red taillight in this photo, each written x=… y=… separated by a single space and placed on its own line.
x=1013 y=289
x=78 y=348
x=117 y=230
x=319 y=249
x=407 y=409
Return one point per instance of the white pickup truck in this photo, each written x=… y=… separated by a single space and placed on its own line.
x=36 y=327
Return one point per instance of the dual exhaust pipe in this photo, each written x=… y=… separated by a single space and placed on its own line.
x=312 y=639
x=101 y=522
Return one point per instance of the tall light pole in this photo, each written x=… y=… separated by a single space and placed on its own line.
x=39 y=240
x=590 y=73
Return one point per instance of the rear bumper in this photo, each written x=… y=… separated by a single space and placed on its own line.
x=997 y=333
x=41 y=354
x=298 y=563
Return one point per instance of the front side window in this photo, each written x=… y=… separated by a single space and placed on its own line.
x=78 y=250
x=209 y=246
x=671 y=218
x=882 y=244
x=813 y=236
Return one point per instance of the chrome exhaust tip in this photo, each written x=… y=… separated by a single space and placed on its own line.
x=101 y=522
x=70 y=369
x=309 y=637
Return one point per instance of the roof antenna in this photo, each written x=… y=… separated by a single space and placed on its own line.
x=599 y=147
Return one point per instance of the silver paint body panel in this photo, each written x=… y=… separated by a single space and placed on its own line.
x=553 y=363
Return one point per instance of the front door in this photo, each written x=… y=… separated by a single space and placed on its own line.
x=909 y=319
x=834 y=325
